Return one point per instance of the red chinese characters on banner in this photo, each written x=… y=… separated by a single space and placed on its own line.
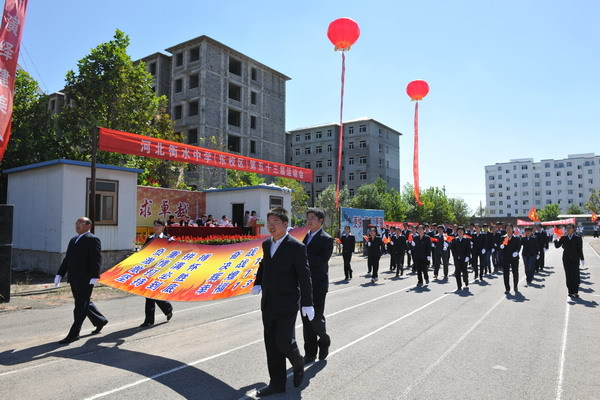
x=130 y=143
x=11 y=31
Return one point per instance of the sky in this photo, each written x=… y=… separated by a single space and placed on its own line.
x=508 y=79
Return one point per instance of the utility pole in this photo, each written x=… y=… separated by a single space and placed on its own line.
x=92 y=210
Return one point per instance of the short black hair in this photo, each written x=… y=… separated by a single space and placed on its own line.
x=159 y=222
x=280 y=213
x=530 y=229
x=460 y=227
x=171 y=216
x=317 y=211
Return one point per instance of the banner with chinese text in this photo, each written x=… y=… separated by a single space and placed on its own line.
x=11 y=31
x=130 y=143
x=179 y=271
x=354 y=218
x=158 y=203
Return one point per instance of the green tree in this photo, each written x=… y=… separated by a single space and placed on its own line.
x=574 y=209
x=460 y=211
x=33 y=134
x=370 y=195
x=299 y=198
x=593 y=204
x=549 y=212
x=237 y=178
x=111 y=91
x=326 y=201
x=395 y=206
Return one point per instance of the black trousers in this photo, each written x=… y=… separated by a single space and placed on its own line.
x=572 y=275
x=540 y=262
x=315 y=331
x=441 y=259
x=392 y=259
x=373 y=265
x=475 y=265
x=422 y=267
x=510 y=263
x=460 y=272
x=280 y=343
x=400 y=262
x=151 y=304
x=84 y=307
x=480 y=260
x=347 y=268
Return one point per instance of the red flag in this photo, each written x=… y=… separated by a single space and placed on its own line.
x=416 y=157
x=435 y=240
x=366 y=238
x=558 y=232
x=410 y=238
x=386 y=240
x=505 y=241
x=11 y=31
x=594 y=216
x=338 y=240
x=448 y=238
x=533 y=215
x=468 y=237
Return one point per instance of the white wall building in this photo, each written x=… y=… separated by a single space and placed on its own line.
x=48 y=197
x=513 y=187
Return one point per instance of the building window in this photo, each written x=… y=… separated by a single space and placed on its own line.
x=523 y=166
x=235 y=92
x=234 y=117
x=192 y=136
x=362 y=176
x=350 y=130
x=351 y=192
x=329 y=133
x=298 y=151
x=524 y=175
x=178 y=85
x=329 y=148
x=318 y=179
x=329 y=163
x=234 y=143
x=319 y=149
x=351 y=161
x=318 y=135
x=307 y=150
x=235 y=66
x=253 y=146
x=351 y=176
x=491 y=186
x=362 y=144
x=152 y=68
x=107 y=192
x=253 y=73
x=350 y=145
x=380 y=163
x=307 y=165
x=362 y=160
x=363 y=128
x=307 y=136
x=329 y=178
x=253 y=98
x=177 y=112
x=252 y=122
x=195 y=54
x=178 y=59
x=319 y=164
x=194 y=81
x=525 y=184
x=297 y=138
x=192 y=108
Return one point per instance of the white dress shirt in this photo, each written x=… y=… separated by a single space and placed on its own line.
x=275 y=244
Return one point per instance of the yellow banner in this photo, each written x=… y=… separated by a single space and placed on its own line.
x=179 y=271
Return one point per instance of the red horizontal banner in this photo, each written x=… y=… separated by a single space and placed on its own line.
x=130 y=143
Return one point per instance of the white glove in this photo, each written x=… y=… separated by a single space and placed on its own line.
x=409 y=252
x=482 y=251
x=493 y=250
x=445 y=246
x=57 y=279
x=582 y=263
x=93 y=281
x=171 y=238
x=256 y=289
x=392 y=243
x=467 y=259
x=413 y=243
x=516 y=254
x=502 y=246
x=545 y=250
x=308 y=312
x=537 y=257
x=429 y=258
x=555 y=237
x=368 y=243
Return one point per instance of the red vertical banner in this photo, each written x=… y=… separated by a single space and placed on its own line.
x=341 y=139
x=416 y=157
x=11 y=32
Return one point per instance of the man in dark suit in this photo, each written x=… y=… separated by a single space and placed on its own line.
x=572 y=258
x=421 y=250
x=509 y=255
x=461 y=247
x=542 y=239
x=348 y=244
x=283 y=277
x=319 y=247
x=82 y=264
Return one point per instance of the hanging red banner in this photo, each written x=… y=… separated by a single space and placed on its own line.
x=11 y=31
x=130 y=143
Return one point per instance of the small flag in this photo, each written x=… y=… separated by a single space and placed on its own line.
x=338 y=240
x=594 y=216
x=533 y=215
x=366 y=238
x=505 y=242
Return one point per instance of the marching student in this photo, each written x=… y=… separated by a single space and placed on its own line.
x=400 y=248
x=489 y=248
x=374 y=251
x=572 y=257
x=348 y=244
x=509 y=249
x=542 y=239
x=498 y=238
x=440 y=253
x=530 y=252
x=390 y=247
x=477 y=260
x=461 y=248
x=421 y=250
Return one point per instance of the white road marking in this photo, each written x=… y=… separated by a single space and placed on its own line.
x=563 y=348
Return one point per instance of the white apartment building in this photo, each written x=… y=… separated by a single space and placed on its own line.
x=513 y=187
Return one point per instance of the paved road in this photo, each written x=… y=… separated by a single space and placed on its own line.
x=389 y=341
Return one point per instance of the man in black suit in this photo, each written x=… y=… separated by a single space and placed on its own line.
x=509 y=255
x=542 y=239
x=319 y=247
x=82 y=264
x=461 y=247
x=348 y=244
x=421 y=251
x=283 y=277
x=572 y=258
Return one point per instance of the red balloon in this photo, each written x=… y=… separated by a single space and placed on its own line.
x=417 y=89
x=343 y=33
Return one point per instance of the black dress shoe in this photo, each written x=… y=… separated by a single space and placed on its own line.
x=99 y=327
x=309 y=360
x=269 y=391
x=169 y=316
x=69 y=339
x=323 y=353
x=145 y=324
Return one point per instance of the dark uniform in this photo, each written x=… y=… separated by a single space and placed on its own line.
x=477 y=259
x=461 y=248
x=421 y=251
x=542 y=239
x=510 y=261
x=572 y=255
x=441 y=255
x=531 y=253
x=348 y=245
x=374 y=251
x=400 y=248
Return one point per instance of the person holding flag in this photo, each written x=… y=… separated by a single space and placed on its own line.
x=530 y=252
x=542 y=239
x=374 y=251
x=572 y=258
x=509 y=249
x=461 y=248
x=421 y=251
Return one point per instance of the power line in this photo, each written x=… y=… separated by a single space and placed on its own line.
x=34 y=67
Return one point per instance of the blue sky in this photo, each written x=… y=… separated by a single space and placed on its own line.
x=508 y=79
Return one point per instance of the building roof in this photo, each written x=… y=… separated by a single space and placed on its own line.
x=202 y=38
x=70 y=162
x=268 y=187
x=350 y=121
